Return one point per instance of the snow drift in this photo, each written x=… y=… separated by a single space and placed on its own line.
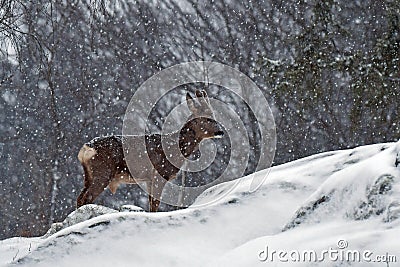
x=345 y=201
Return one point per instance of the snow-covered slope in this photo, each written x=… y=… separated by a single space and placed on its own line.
x=345 y=201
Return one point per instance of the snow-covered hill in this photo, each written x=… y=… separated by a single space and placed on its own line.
x=335 y=206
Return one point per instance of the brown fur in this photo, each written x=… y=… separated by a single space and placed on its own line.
x=105 y=166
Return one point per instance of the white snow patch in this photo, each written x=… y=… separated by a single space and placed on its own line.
x=309 y=204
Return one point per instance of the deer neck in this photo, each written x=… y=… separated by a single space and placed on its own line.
x=188 y=140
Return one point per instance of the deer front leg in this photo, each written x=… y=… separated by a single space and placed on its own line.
x=155 y=188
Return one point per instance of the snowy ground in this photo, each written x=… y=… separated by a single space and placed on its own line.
x=333 y=206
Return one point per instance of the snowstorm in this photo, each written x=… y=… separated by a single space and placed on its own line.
x=314 y=123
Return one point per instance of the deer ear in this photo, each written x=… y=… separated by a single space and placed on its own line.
x=190 y=103
x=205 y=96
x=202 y=97
x=199 y=93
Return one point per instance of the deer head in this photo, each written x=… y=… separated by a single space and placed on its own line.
x=202 y=120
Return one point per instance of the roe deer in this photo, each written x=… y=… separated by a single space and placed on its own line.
x=104 y=163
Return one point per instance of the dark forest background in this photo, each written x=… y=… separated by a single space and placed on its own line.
x=329 y=69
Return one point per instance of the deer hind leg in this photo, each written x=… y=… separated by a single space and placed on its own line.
x=155 y=188
x=88 y=195
x=80 y=201
x=101 y=178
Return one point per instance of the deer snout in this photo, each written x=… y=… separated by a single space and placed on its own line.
x=218 y=134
